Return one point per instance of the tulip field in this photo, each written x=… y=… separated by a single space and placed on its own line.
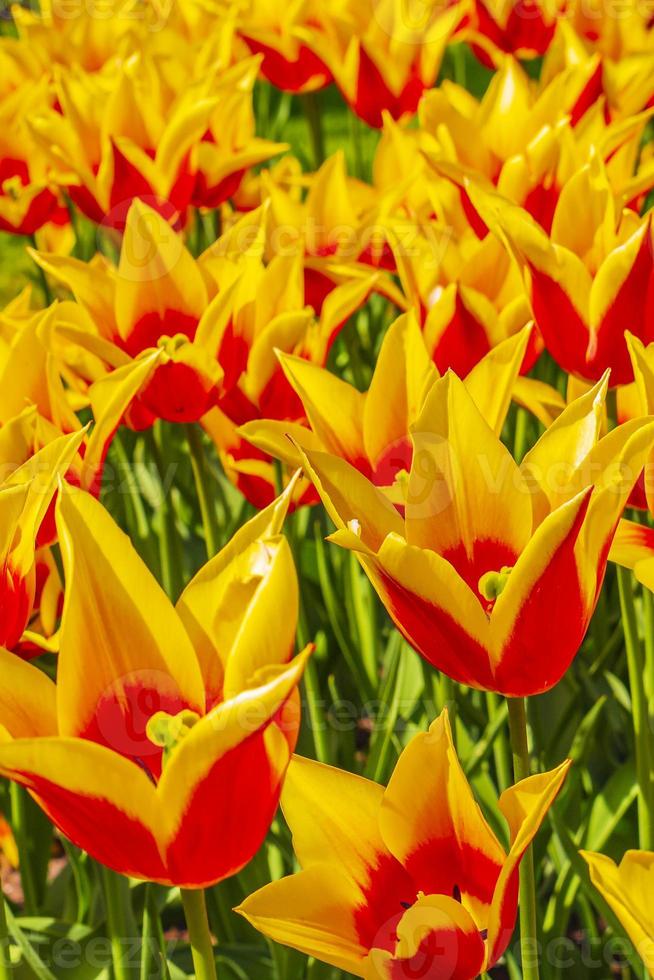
x=327 y=489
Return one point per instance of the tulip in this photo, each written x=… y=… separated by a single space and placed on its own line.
x=338 y=229
x=229 y=147
x=371 y=430
x=407 y=880
x=627 y=888
x=109 y=145
x=523 y=28
x=285 y=38
x=158 y=708
x=25 y=497
x=263 y=312
x=388 y=55
x=467 y=295
x=524 y=139
x=608 y=63
x=588 y=281
x=495 y=570
x=149 y=321
x=28 y=199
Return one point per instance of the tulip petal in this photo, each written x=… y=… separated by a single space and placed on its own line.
x=464 y=485
x=348 y=496
x=440 y=835
x=541 y=616
x=434 y=609
x=91 y=283
x=28 y=699
x=492 y=380
x=222 y=602
x=347 y=836
x=138 y=658
x=333 y=407
x=550 y=466
x=310 y=912
x=633 y=547
x=103 y=803
x=244 y=744
x=157 y=277
x=403 y=375
x=628 y=888
x=621 y=284
x=277 y=439
x=111 y=397
x=436 y=937
x=524 y=806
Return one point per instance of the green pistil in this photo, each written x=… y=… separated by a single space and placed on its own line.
x=168 y=731
x=491 y=585
x=172 y=344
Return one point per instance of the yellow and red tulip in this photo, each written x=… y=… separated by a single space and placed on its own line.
x=491 y=559
x=158 y=708
x=285 y=38
x=371 y=430
x=261 y=313
x=525 y=139
x=146 y=321
x=25 y=497
x=28 y=198
x=523 y=28
x=229 y=147
x=407 y=880
x=336 y=229
x=119 y=135
x=467 y=295
x=388 y=55
x=589 y=281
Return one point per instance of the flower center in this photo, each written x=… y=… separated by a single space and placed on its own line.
x=167 y=731
x=172 y=344
x=491 y=584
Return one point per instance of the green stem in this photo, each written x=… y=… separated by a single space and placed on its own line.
x=195 y=910
x=448 y=700
x=147 y=935
x=520 y=435
x=5 y=958
x=201 y=477
x=20 y=830
x=316 y=711
x=116 y=922
x=500 y=747
x=639 y=709
x=312 y=112
x=170 y=560
x=648 y=623
x=521 y=769
x=43 y=279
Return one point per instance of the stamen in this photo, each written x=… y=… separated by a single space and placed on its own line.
x=491 y=584
x=456 y=894
x=167 y=731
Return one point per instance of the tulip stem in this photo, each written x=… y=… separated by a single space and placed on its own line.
x=314 y=120
x=5 y=957
x=639 y=708
x=197 y=922
x=201 y=477
x=521 y=769
x=24 y=842
x=116 y=922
